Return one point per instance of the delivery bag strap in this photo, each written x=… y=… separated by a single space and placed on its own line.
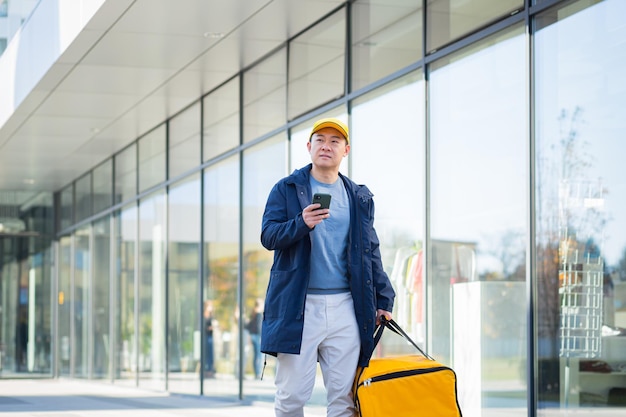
x=394 y=327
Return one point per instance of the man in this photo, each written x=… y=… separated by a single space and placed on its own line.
x=327 y=288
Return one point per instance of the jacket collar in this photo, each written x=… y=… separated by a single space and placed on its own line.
x=301 y=177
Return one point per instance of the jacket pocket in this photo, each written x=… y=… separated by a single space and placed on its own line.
x=279 y=294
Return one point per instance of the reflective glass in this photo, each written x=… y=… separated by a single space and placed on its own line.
x=25 y=307
x=35 y=309
x=448 y=20
x=126 y=174
x=151 y=149
x=476 y=300
x=265 y=96
x=386 y=37
x=126 y=342
x=82 y=194
x=184 y=286
x=581 y=208
x=13 y=341
x=101 y=298
x=103 y=186
x=81 y=302
x=184 y=141
x=264 y=164
x=66 y=207
x=221 y=120
x=64 y=299
x=221 y=313
x=317 y=65
x=151 y=276
x=396 y=111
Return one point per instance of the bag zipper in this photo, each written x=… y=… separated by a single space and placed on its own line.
x=402 y=374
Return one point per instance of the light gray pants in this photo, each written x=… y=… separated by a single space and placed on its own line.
x=331 y=335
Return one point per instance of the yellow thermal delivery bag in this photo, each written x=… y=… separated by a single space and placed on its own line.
x=405 y=386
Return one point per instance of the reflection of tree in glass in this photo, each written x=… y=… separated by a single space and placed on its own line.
x=574 y=158
x=223 y=285
x=568 y=209
x=510 y=250
x=223 y=288
x=580 y=197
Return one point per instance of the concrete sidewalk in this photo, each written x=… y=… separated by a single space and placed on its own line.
x=71 y=398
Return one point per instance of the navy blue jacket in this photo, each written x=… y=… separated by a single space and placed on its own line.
x=284 y=232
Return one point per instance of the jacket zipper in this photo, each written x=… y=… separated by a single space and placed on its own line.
x=402 y=374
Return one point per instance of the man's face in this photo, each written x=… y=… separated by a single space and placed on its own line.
x=327 y=148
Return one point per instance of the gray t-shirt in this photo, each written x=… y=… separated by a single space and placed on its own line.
x=329 y=240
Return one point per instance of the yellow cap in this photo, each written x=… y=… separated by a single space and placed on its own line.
x=331 y=122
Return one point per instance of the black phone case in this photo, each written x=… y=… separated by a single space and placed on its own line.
x=323 y=199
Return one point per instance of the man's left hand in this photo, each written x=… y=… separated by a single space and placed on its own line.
x=380 y=313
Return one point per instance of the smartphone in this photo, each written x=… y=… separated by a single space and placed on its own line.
x=323 y=199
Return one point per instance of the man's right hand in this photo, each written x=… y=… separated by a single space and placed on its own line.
x=313 y=215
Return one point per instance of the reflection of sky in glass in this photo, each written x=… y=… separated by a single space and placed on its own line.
x=151 y=215
x=388 y=155
x=221 y=201
x=184 y=211
x=128 y=223
x=478 y=148
x=263 y=166
x=218 y=181
x=581 y=62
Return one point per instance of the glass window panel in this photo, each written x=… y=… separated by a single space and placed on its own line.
x=396 y=111
x=581 y=207
x=64 y=300
x=478 y=211
x=126 y=345
x=301 y=134
x=151 y=148
x=447 y=20
x=101 y=298
x=67 y=207
x=14 y=344
x=221 y=120
x=152 y=230
x=317 y=65
x=184 y=341
x=25 y=306
x=126 y=174
x=102 y=186
x=386 y=37
x=40 y=283
x=264 y=165
x=13 y=341
x=81 y=302
x=38 y=215
x=82 y=189
x=221 y=286
x=265 y=96
x=184 y=141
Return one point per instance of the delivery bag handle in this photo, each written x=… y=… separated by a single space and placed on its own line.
x=394 y=327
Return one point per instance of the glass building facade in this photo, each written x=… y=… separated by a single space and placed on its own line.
x=489 y=132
